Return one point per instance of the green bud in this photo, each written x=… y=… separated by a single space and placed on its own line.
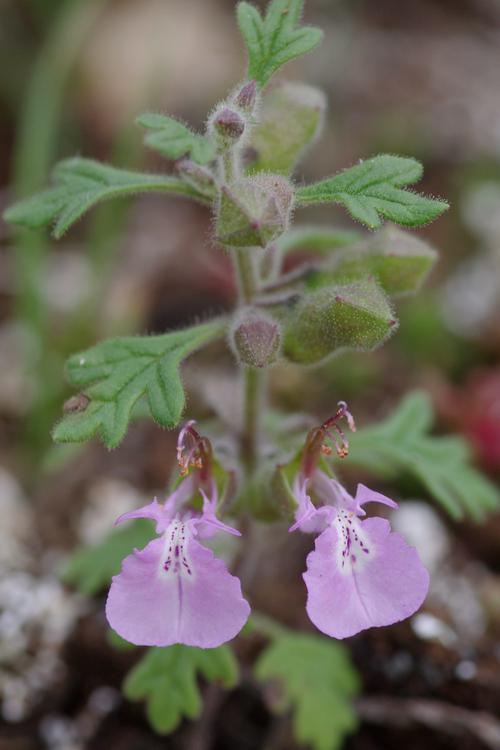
x=350 y=316
x=256 y=339
x=254 y=211
x=399 y=261
x=291 y=118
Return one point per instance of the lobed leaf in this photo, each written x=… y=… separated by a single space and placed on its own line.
x=317 y=684
x=82 y=183
x=401 y=445
x=173 y=139
x=167 y=679
x=116 y=373
x=91 y=568
x=273 y=39
x=373 y=190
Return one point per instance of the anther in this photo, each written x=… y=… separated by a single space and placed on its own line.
x=193 y=450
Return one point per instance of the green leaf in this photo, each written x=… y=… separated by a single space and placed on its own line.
x=173 y=139
x=399 y=261
x=401 y=446
x=290 y=119
x=79 y=185
x=317 y=684
x=373 y=189
x=350 y=316
x=90 y=569
x=116 y=373
x=167 y=678
x=274 y=40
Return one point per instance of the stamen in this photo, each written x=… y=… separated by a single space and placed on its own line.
x=315 y=442
x=193 y=450
x=339 y=439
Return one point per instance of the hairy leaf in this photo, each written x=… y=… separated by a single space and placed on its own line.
x=90 y=569
x=373 y=190
x=274 y=39
x=173 y=139
x=116 y=373
x=167 y=679
x=401 y=445
x=79 y=185
x=317 y=683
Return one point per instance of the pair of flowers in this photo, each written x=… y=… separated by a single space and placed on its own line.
x=175 y=590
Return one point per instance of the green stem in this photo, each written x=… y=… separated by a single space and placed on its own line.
x=247 y=277
x=254 y=380
x=253 y=409
x=228 y=167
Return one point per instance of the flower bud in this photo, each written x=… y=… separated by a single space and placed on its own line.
x=256 y=339
x=246 y=97
x=350 y=316
x=200 y=178
x=228 y=127
x=255 y=211
x=290 y=119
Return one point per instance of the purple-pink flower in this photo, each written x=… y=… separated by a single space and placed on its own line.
x=360 y=574
x=175 y=590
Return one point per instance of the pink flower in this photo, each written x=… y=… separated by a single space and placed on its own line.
x=175 y=590
x=360 y=574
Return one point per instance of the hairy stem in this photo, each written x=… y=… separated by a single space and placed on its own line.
x=254 y=380
x=253 y=408
x=247 y=277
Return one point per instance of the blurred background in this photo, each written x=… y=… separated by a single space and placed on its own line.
x=419 y=78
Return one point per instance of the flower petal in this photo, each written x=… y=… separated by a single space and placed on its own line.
x=331 y=492
x=209 y=524
x=198 y=603
x=213 y=609
x=308 y=518
x=384 y=586
x=162 y=514
x=366 y=495
x=173 y=504
x=153 y=510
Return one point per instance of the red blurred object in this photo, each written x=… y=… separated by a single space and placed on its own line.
x=474 y=409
